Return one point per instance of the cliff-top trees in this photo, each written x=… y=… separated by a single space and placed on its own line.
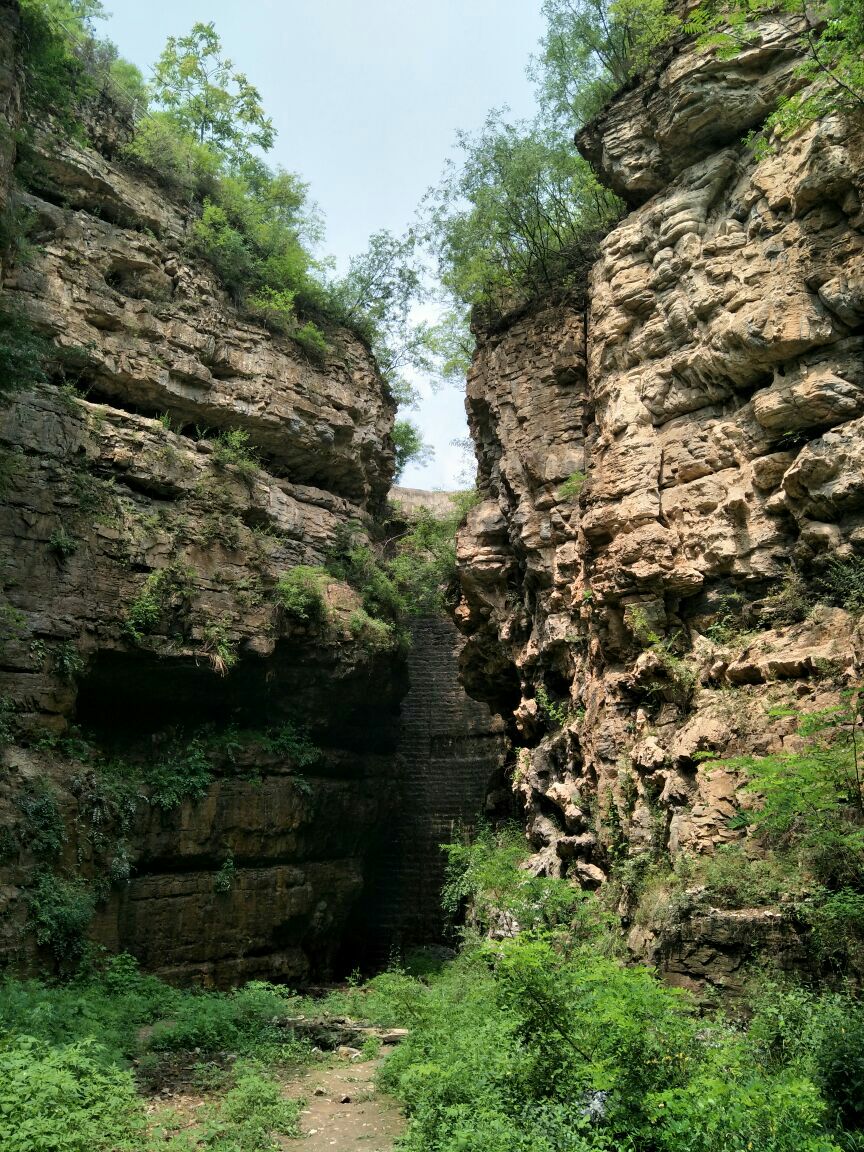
x=209 y=99
x=591 y=48
x=518 y=217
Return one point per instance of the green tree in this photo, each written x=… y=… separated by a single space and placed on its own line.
x=376 y=297
x=593 y=47
x=410 y=447
x=207 y=98
x=66 y=64
x=518 y=217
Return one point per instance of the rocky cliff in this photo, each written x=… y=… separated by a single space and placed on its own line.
x=203 y=770
x=669 y=473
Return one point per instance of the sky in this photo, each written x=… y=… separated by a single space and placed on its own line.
x=366 y=96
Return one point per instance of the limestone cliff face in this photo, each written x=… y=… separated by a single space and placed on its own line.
x=140 y=559
x=711 y=405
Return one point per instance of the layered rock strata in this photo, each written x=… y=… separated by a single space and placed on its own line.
x=653 y=465
x=142 y=549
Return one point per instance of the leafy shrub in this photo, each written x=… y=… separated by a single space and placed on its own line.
x=189 y=169
x=182 y=772
x=555 y=712
x=484 y=881
x=358 y=565
x=231 y=447
x=679 y=677
x=730 y=1104
x=300 y=593
x=842 y=582
x=791 y=601
x=42 y=830
x=423 y=566
x=62 y=544
x=292 y=741
x=65 y=1098
x=24 y=353
x=60 y=81
x=61 y=909
x=163 y=588
x=312 y=340
x=376 y=635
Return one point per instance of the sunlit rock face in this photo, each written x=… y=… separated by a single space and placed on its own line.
x=651 y=466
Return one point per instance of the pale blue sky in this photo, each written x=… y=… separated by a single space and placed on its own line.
x=367 y=96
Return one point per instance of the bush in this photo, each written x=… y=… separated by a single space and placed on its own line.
x=65 y=1098
x=842 y=582
x=42 y=830
x=189 y=169
x=358 y=565
x=182 y=772
x=61 y=909
x=231 y=447
x=292 y=741
x=164 y=588
x=24 y=354
x=376 y=635
x=485 y=884
x=300 y=593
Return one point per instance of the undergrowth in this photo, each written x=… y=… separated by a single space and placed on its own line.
x=77 y=1059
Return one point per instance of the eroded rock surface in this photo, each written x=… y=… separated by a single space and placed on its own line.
x=142 y=623
x=651 y=469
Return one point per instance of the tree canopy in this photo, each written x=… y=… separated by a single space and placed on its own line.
x=208 y=98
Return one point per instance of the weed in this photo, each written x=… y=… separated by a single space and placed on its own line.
x=231 y=448
x=62 y=544
x=219 y=647
x=300 y=593
x=224 y=880
x=572 y=487
x=553 y=712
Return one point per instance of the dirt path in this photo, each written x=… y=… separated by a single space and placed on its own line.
x=365 y=1122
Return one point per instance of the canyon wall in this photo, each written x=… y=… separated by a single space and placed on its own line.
x=652 y=462
x=191 y=761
